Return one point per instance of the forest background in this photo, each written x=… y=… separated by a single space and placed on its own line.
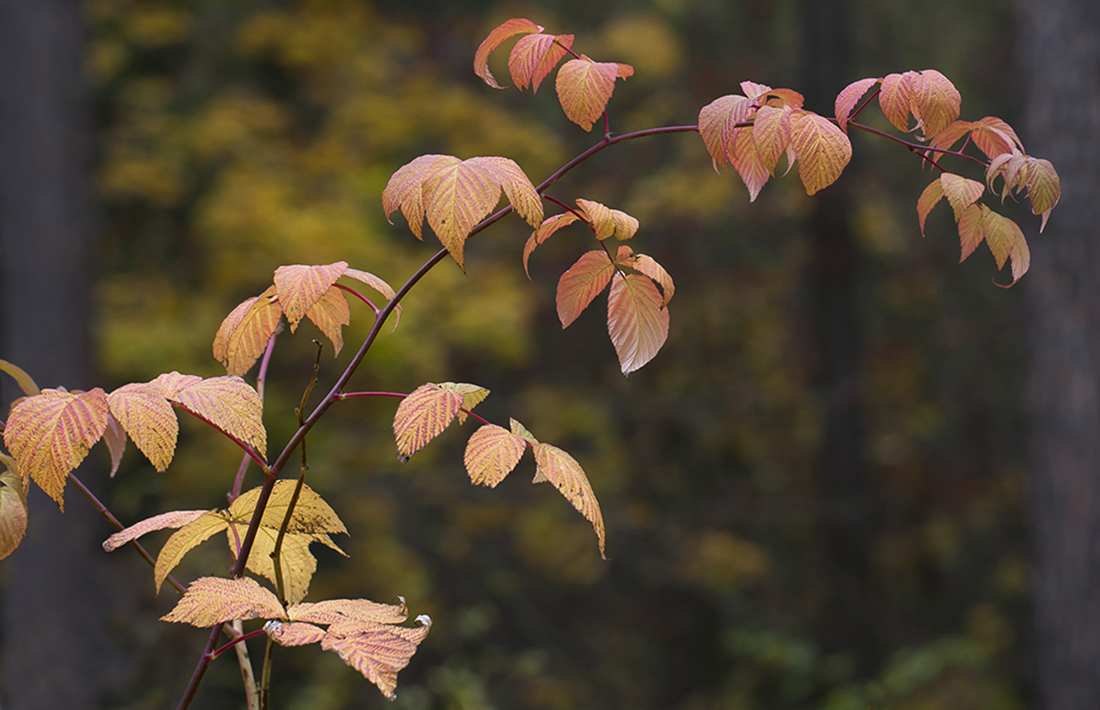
x=838 y=485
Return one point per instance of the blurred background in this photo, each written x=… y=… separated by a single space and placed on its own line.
x=858 y=475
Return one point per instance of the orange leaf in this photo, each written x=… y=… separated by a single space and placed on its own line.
x=948 y=137
x=173 y=519
x=718 y=125
x=25 y=382
x=896 y=98
x=971 y=229
x=607 y=222
x=927 y=200
x=578 y=286
x=1044 y=189
x=183 y=541
x=584 y=88
x=13 y=512
x=213 y=600
x=492 y=453
x=636 y=321
x=363 y=611
x=422 y=416
x=299 y=287
x=648 y=266
x=497 y=37
x=754 y=90
x=823 y=150
x=114 y=436
x=457 y=196
x=405 y=190
x=517 y=187
x=784 y=97
x=291 y=633
x=228 y=403
x=378 y=651
x=748 y=163
x=50 y=433
x=549 y=226
x=244 y=333
x=847 y=99
x=535 y=56
x=960 y=192
x=771 y=135
x=147 y=417
x=994 y=137
x=935 y=101
x=330 y=313
x=563 y=471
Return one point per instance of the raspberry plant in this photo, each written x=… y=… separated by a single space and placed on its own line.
x=269 y=529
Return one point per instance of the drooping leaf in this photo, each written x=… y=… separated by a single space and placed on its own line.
x=636 y=320
x=584 y=88
x=491 y=454
x=378 y=651
x=971 y=229
x=771 y=134
x=535 y=56
x=927 y=200
x=147 y=416
x=563 y=471
x=823 y=150
x=330 y=314
x=498 y=36
x=361 y=611
x=1044 y=188
x=607 y=222
x=518 y=188
x=13 y=512
x=115 y=438
x=311 y=514
x=581 y=283
x=520 y=430
x=25 y=381
x=244 y=333
x=648 y=266
x=229 y=403
x=472 y=395
x=718 y=125
x=297 y=563
x=183 y=541
x=847 y=99
x=548 y=227
x=949 y=136
x=994 y=137
x=896 y=98
x=960 y=192
x=300 y=287
x=747 y=162
x=405 y=190
x=50 y=433
x=173 y=519
x=422 y=416
x=754 y=90
x=936 y=101
x=213 y=600
x=379 y=285
x=1004 y=238
x=784 y=97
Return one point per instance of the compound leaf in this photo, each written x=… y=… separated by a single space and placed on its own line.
x=718 y=125
x=491 y=454
x=636 y=320
x=581 y=283
x=422 y=416
x=584 y=88
x=50 y=433
x=405 y=189
x=822 y=149
x=935 y=102
x=213 y=600
x=228 y=403
x=535 y=56
x=563 y=471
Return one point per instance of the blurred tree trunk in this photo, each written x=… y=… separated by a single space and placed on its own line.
x=51 y=630
x=1060 y=59
x=842 y=468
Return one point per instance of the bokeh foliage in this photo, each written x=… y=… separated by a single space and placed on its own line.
x=233 y=137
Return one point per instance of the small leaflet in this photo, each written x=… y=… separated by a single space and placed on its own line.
x=422 y=416
x=584 y=88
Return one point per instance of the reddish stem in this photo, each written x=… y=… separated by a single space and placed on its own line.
x=236 y=640
x=358 y=295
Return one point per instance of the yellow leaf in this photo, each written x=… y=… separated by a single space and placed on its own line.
x=362 y=611
x=935 y=101
x=173 y=519
x=718 y=125
x=563 y=471
x=213 y=600
x=648 y=266
x=492 y=453
x=300 y=287
x=747 y=162
x=472 y=395
x=13 y=512
x=1044 y=188
x=518 y=188
x=584 y=88
x=636 y=320
x=228 y=403
x=115 y=438
x=896 y=98
x=405 y=190
x=50 y=433
x=581 y=283
x=378 y=651
x=520 y=430
x=994 y=137
x=290 y=633
x=244 y=333
x=147 y=417
x=183 y=541
x=25 y=381
x=456 y=197
x=960 y=192
x=297 y=563
x=378 y=285
x=422 y=416
x=502 y=32
x=330 y=313
x=172 y=383
x=822 y=149
x=771 y=134
x=607 y=222
x=311 y=513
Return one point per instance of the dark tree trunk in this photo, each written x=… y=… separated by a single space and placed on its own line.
x=1060 y=59
x=51 y=631
x=842 y=468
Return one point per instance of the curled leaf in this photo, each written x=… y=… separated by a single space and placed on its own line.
x=563 y=471
x=498 y=36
